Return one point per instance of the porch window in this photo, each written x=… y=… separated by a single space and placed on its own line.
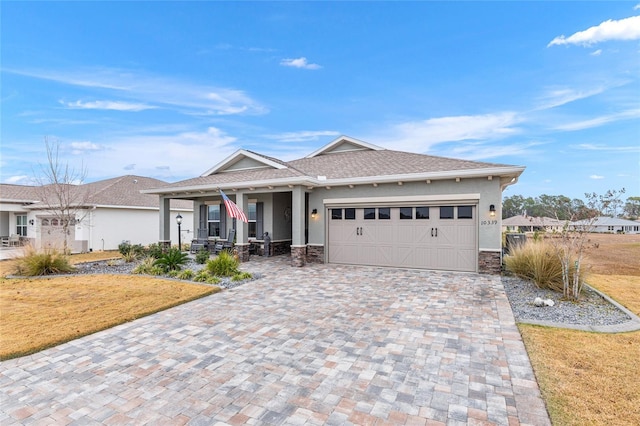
x=213 y=220
x=21 y=227
x=253 y=216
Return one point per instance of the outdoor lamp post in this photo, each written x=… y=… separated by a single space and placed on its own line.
x=179 y=222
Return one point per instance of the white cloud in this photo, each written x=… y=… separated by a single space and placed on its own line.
x=148 y=89
x=302 y=136
x=607 y=148
x=560 y=96
x=165 y=156
x=599 y=121
x=110 y=105
x=623 y=29
x=299 y=63
x=596 y=177
x=82 y=147
x=19 y=180
x=596 y=52
x=636 y=7
x=419 y=136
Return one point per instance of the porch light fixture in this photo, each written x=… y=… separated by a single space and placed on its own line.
x=314 y=213
x=492 y=210
x=179 y=222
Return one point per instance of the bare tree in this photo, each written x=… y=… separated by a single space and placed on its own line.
x=61 y=192
x=571 y=240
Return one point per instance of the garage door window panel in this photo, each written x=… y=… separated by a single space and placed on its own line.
x=369 y=213
x=350 y=214
x=446 y=212
x=384 y=213
x=406 y=213
x=336 y=214
x=422 y=212
x=465 y=212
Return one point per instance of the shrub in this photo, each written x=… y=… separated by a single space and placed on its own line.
x=202 y=256
x=46 y=262
x=187 y=274
x=154 y=250
x=130 y=251
x=148 y=267
x=172 y=260
x=203 y=276
x=241 y=276
x=224 y=265
x=538 y=262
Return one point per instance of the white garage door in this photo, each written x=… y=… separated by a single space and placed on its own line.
x=428 y=237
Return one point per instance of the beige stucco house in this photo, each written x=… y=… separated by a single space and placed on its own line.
x=111 y=211
x=353 y=202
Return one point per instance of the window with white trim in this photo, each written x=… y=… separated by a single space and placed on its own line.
x=21 y=225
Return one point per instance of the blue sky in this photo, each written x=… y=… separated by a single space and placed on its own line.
x=169 y=89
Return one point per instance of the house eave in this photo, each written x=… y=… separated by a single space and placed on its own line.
x=509 y=173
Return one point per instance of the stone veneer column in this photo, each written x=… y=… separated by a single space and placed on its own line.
x=315 y=254
x=298 y=255
x=243 y=252
x=489 y=262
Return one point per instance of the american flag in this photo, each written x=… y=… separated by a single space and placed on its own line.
x=233 y=209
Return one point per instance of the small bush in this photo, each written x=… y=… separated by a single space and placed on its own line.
x=538 y=262
x=224 y=265
x=187 y=274
x=130 y=251
x=203 y=276
x=148 y=267
x=172 y=260
x=202 y=256
x=241 y=276
x=46 y=262
x=154 y=250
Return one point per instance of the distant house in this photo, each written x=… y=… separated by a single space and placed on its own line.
x=352 y=202
x=113 y=211
x=605 y=224
x=524 y=223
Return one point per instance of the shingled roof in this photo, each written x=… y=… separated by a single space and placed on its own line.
x=342 y=162
x=123 y=191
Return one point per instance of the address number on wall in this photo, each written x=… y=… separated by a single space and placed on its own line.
x=488 y=222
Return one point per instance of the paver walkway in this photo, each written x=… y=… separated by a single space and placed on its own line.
x=323 y=344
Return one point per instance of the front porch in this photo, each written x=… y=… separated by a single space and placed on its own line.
x=278 y=222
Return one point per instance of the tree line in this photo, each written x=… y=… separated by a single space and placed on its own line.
x=565 y=208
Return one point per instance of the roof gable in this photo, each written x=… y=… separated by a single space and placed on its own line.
x=344 y=144
x=243 y=160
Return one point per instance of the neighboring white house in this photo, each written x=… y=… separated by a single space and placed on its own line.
x=611 y=225
x=353 y=202
x=524 y=223
x=114 y=210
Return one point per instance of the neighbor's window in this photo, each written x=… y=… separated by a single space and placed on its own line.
x=406 y=212
x=422 y=212
x=465 y=212
x=213 y=220
x=21 y=228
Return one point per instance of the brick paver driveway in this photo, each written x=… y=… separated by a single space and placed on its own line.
x=323 y=344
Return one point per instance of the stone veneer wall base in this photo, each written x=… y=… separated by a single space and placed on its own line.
x=490 y=262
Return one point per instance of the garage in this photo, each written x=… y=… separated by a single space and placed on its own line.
x=442 y=237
